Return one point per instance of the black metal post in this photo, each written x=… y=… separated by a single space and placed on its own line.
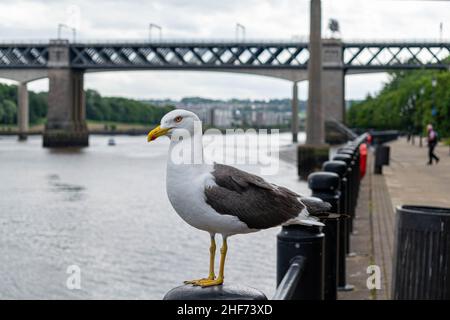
x=222 y=292
x=382 y=154
x=349 y=191
x=340 y=168
x=325 y=186
x=307 y=242
x=357 y=169
x=354 y=176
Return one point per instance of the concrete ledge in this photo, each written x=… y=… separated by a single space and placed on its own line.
x=61 y=139
x=310 y=158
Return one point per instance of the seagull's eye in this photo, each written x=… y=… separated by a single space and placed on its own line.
x=178 y=119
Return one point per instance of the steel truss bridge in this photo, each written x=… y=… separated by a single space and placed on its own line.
x=356 y=56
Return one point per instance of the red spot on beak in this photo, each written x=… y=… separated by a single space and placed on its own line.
x=153 y=138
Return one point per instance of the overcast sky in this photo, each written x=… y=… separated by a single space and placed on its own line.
x=129 y=19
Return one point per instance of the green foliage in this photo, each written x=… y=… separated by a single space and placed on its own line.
x=97 y=108
x=447 y=142
x=406 y=103
x=122 y=110
x=388 y=110
x=9 y=111
x=8 y=105
x=38 y=106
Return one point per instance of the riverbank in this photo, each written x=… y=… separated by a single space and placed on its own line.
x=104 y=128
x=94 y=127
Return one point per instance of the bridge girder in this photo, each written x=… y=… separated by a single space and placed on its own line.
x=26 y=56
x=361 y=56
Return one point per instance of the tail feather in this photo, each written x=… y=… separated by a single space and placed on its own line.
x=313 y=206
x=305 y=222
x=304 y=218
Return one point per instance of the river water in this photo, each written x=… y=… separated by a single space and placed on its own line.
x=104 y=209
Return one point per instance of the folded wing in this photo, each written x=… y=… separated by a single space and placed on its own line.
x=253 y=200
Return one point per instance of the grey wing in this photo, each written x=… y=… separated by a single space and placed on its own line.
x=315 y=205
x=254 y=201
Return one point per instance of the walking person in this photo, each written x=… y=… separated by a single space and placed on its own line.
x=432 y=138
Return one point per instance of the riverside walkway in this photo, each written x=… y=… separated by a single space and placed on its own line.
x=407 y=180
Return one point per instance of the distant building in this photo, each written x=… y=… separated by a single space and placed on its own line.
x=222 y=118
x=241 y=113
x=203 y=113
x=268 y=118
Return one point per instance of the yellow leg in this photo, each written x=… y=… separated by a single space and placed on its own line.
x=219 y=280
x=212 y=256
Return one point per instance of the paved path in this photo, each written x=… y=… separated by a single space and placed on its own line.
x=361 y=247
x=411 y=181
x=372 y=240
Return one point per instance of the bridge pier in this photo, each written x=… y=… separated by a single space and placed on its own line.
x=66 y=116
x=314 y=152
x=294 y=123
x=333 y=80
x=315 y=127
x=23 y=110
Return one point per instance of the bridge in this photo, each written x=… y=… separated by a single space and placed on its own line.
x=65 y=63
x=179 y=55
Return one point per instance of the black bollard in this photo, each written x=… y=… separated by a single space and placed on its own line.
x=354 y=176
x=356 y=169
x=340 y=168
x=348 y=159
x=349 y=191
x=347 y=148
x=222 y=292
x=307 y=242
x=325 y=186
x=382 y=154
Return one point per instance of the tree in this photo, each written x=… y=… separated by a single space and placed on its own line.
x=405 y=103
x=9 y=112
x=97 y=108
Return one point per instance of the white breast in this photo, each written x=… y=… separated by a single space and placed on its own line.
x=185 y=189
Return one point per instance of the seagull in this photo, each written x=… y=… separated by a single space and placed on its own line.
x=221 y=199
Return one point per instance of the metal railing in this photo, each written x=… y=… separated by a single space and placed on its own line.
x=301 y=39
x=286 y=288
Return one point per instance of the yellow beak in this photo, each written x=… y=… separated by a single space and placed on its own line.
x=157 y=132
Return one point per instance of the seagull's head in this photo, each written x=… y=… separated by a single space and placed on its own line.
x=176 y=120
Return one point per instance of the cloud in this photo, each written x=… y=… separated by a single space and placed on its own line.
x=178 y=84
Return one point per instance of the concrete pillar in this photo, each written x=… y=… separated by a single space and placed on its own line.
x=66 y=123
x=333 y=82
x=23 y=110
x=311 y=155
x=315 y=128
x=294 y=123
